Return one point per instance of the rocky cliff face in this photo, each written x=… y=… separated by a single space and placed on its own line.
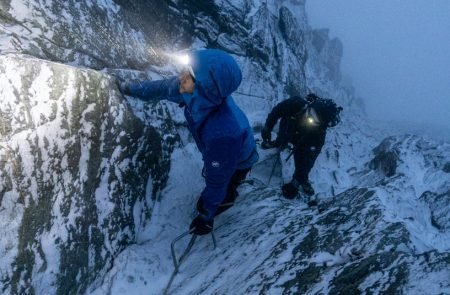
x=89 y=33
x=86 y=173
x=74 y=164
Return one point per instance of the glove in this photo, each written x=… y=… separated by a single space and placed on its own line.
x=120 y=82
x=122 y=85
x=290 y=190
x=200 y=226
x=266 y=135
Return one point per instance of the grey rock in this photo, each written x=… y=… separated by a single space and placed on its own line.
x=438 y=204
x=75 y=161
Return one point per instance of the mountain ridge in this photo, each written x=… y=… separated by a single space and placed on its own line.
x=94 y=186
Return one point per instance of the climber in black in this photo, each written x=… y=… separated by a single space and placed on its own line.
x=304 y=122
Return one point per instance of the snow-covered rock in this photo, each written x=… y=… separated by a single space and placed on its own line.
x=75 y=163
x=94 y=186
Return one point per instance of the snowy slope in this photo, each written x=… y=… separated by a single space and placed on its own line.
x=94 y=186
x=377 y=238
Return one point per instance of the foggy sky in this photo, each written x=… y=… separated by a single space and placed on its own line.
x=397 y=53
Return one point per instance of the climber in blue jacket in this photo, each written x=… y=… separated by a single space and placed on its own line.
x=219 y=127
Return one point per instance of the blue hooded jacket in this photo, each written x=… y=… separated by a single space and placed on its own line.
x=220 y=128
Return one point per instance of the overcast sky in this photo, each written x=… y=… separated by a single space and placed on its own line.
x=397 y=52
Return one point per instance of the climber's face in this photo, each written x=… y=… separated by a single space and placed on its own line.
x=187 y=83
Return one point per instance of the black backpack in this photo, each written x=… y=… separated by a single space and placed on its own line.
x=326 y=109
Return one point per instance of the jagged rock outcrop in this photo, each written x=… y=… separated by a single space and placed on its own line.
x=268 y=40
x=438 y=204
x=353 y=243
x=414 y=159
x=139 y=34
x=386 y=158
x=74 y=165
x=346 y=248
x=330 y=51
x=107 y=34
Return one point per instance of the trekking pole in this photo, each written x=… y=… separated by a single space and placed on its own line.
x=213 y=239
x=174 y=257
x=177 y=263
x=277 y=160
x=295 y=148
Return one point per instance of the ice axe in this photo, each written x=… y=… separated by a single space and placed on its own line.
x=177 y=263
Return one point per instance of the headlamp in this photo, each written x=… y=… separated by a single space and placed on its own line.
x=178 y=59
x=311 y=117
x=184 y=59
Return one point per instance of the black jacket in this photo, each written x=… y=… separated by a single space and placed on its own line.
x=293 y=127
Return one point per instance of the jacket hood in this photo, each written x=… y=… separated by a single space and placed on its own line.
x=217 y=74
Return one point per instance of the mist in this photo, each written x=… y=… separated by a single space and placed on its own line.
x=396 y=53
